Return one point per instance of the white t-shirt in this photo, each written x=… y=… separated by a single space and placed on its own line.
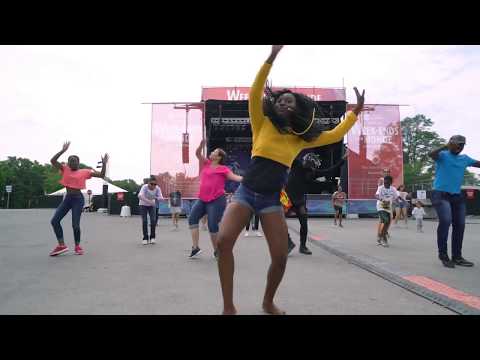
x=418 y=213
x=386 y=196
x=149 y=197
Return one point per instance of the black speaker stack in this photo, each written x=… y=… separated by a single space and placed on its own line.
x=227 y=126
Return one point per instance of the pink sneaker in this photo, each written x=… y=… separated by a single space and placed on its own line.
x=60 y=249
x=78 y=250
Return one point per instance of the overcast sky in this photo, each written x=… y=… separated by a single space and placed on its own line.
x=92 y=95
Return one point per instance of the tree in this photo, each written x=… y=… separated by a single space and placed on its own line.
x=128 y=184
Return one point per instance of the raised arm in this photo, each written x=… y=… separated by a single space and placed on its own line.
x=199 y=152
x=255 y=102
x=104 y=168
x=476 y=164
x=337 y=134
x=435 y=153
x=54 y=159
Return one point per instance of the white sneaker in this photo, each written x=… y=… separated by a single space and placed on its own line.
x=246 y=234
x=152 y=241
x=258 y=233
x=144 y=242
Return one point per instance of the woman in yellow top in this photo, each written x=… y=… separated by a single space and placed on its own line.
x=283 y=124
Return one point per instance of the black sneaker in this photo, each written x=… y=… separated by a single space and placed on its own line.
x=195 y=252
x=447 y=262
x=462 y=262
x=304 y=250
x=291 y=246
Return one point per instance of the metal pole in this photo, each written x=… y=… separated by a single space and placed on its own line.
x=8 y=201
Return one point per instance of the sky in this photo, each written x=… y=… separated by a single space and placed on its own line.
x=93 y=95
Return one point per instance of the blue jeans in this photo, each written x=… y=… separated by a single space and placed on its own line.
x=258 y=203
x=451 y=211
x=152 y=212
x=214 y=210
x=75 y=202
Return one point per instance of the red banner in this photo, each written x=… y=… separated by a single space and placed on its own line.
x=374 y=147
x=241 y=93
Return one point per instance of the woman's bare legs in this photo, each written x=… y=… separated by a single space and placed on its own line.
x=233 y=222
x=276 y=233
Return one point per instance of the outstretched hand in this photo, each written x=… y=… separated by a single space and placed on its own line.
x=276 y=49
x=360 y=101
x=65 y=146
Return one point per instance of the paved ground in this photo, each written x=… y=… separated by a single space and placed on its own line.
x=411 y=255
x=117 y=275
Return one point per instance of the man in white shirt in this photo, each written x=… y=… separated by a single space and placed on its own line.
x=385 y=196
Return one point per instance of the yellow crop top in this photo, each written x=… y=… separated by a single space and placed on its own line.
x=267 y=141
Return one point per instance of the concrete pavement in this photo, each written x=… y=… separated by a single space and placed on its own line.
x=117 y=275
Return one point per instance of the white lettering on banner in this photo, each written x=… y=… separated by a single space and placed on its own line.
x=377 y=131
x=236 y=95
x=315 y=97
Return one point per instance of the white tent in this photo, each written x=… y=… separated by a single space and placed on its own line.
x=96 y=185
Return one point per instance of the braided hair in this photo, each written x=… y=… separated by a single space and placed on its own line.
x=302 y=124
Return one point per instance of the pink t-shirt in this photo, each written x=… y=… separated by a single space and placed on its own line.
x=212 y=181
x=74 y=179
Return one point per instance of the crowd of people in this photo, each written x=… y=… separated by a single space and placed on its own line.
x=283 y=125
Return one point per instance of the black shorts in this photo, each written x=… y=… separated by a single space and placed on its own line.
x=384 y=217
x=338 y=209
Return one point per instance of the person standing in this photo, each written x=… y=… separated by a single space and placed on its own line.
x=211 y=197
x=175 y=207
x=148 y=196
x=338 y=199
x=401 y=206
x=73 y=178
x=305 y=169
x=386 y=195
x=283 y=124
x=447 y=199
x=418 y=213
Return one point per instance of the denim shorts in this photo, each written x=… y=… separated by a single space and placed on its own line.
x=214 y=211
x=258 y=203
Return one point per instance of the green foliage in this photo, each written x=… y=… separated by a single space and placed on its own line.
x=31 y=180
x=128 y=184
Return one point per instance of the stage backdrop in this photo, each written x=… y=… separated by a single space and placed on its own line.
x=374 y=144
x=175 y=135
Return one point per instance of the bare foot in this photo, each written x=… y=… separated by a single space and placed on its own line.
x=229 y=311
x=272 y=309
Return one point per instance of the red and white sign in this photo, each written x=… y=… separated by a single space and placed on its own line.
x=241 y=93
x=374 y=145
x=120 y=196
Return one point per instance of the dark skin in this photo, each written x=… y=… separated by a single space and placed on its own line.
x=274 y=227
x=455 y=149
x=286 y=103
x=74 y=163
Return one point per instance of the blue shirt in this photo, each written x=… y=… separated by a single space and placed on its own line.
x=450 y=170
